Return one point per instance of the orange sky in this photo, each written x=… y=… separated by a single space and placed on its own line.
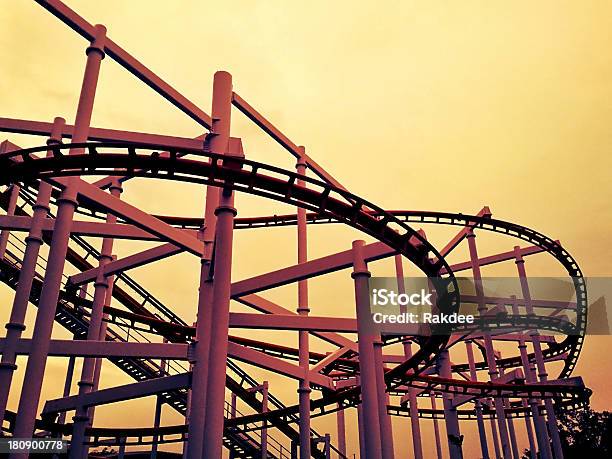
x=444 y=106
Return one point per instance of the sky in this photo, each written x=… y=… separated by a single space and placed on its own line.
x=445 y=106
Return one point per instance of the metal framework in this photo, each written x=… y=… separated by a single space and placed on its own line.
x=425 y=382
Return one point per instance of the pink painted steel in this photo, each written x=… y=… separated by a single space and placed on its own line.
x=367 y=363
x=15 y=325
x=551 y=417
x=415 y=425
x=101 y=292
x=303 y=310
x=67 y=203
x=350 y=370
x=482 y=433
x=488 y=343
x=225 y=212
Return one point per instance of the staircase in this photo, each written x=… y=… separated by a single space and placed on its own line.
x=73 y=317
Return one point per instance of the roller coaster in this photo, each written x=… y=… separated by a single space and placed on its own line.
x=200 y=369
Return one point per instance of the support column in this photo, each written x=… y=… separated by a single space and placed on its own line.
x=264 y=429
x=495 y=437
x=15 y=325
x=303 y=336
x=67 y=203
x=367 y=364
x=455 y=439
x=78 y=449
x=158 y=412
x=489 y=352
x=412 y=398
x=361 y=431
x=515 y=451
x=341 y=431
x=551 y=417
x=386 y=430
x=482 y=433
x=527 y=370
x=436 y=427
x=217 y=362
x=197 y=395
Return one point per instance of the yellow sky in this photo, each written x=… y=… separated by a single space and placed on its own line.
x=413 y=105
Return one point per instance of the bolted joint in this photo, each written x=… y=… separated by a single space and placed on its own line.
x=15 y=326
x=361 y=273
x=97 y=44
x=85 y=384
x=80 y=418
x=226 y=209
x=8 y=366
x=33 y=238
x=101 y=283
x=39 y=206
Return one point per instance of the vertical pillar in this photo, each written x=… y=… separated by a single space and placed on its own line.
x=303 y=310
x=511 y=431
x=15 y=325
x=489 y=352
x=361 y=431
x=158 y=412
x=412 y=398
x=341 y=431
x=527 y=370
x=81 y=419
x=217 y=362
x=436 y=427
x=30 y=395
x=386 y=430
x=367 y=364
x=482 y=433
x=495 y=437
x=10 y=210
x=455 y=439
x=197 y=394
x=264 y=429
x=551 y=417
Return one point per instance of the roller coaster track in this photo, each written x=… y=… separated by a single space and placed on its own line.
x=329 y=205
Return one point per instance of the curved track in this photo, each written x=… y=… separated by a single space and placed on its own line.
x=329 y=205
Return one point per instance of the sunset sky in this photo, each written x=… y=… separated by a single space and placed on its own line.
x=445 y=106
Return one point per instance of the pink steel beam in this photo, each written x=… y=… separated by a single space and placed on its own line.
x=312 y=268
x=261 y=304
x=498 y=258
x=294 y=322
x=87 y=31
x=81 y=348
x=20 y=126
x=130 y=262
x=119 y=393
x=85 y=228
x=244 y=354
x=277 y=135
x=139 y=218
